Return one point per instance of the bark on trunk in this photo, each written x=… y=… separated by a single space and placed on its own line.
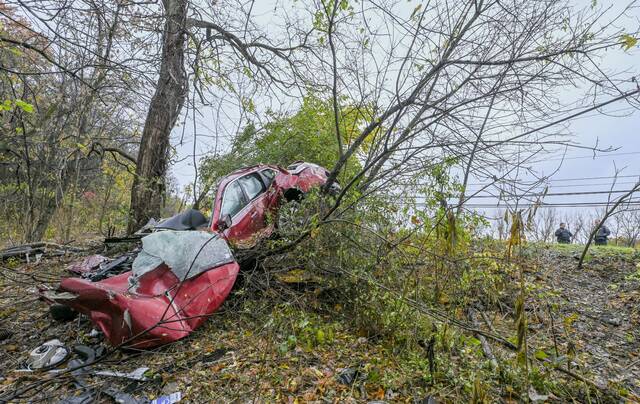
x=148 y=190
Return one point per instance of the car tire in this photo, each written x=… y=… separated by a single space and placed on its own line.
x=62 y=313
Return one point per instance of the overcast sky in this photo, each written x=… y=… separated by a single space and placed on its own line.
x=620 y=132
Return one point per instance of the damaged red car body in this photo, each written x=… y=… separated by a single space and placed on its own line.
x=183 y=275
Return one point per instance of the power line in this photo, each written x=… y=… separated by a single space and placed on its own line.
x=565 y=179
x=553 y=194
x=590 y=157
x=602 y=184
x=544 y=205
x=511 y=196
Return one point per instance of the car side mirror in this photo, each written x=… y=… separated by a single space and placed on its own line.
x=225 y=222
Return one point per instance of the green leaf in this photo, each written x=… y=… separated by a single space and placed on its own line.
x=540 y=354
x=25 y=106
x=474 y=341
x=628 y=41
x=283 y=347
x=292 y=341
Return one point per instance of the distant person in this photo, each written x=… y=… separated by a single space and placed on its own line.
x=563 y=235
x=602 y=234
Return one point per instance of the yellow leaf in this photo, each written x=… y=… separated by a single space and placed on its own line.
x=628 y=41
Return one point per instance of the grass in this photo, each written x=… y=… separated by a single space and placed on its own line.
x=595 y=251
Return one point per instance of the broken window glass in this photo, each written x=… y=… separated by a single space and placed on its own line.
x=233 y=200
x=186 y=253
x=252 y=185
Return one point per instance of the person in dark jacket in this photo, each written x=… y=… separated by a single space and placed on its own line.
x=563 y=235
x=602 y=234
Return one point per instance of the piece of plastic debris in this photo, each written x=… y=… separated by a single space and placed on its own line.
x=94 y=333
x=137 y=374
x=88 y=264
x=536 y=397
x=117 y=266
x=85 y=397
x=48 y=355
x=168 y=399
x=123 y=398
x=190 y=220
x=87 y=353
x=349 y=375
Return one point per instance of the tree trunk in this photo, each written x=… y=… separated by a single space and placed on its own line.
x=148 y=190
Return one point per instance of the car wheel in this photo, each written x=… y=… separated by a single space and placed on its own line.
x=60 y=312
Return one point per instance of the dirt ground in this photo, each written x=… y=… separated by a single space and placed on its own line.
x=596 y=313
x=587 y=321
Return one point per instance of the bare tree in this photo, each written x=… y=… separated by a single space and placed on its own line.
x=473 y=82
x=627 y=223
x=69 y=104
x=543 y=226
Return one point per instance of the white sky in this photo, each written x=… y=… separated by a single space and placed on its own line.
x=621 y=132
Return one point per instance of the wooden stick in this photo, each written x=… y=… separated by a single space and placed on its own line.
x=486 y=348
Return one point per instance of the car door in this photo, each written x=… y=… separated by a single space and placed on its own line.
x=234 y=203
x=255 y=191
x=268 y=176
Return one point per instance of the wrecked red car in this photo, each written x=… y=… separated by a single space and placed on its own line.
x=248 y=199
x=181 y=275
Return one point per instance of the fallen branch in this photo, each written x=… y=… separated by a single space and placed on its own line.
x=42 y=247
x=486 y=348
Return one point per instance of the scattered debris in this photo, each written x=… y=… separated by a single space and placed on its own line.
x=138 y=374
x=168 y=399
x=349 y=375
x=48 y=355
x=98 y=267
x=87 y=264
x=535 y=397
x=87 y=393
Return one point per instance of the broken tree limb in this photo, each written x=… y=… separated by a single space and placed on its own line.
x=488 y=322
x=42 y=247
x=486 y=348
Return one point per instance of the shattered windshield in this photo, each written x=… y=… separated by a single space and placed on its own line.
x=186 y=253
